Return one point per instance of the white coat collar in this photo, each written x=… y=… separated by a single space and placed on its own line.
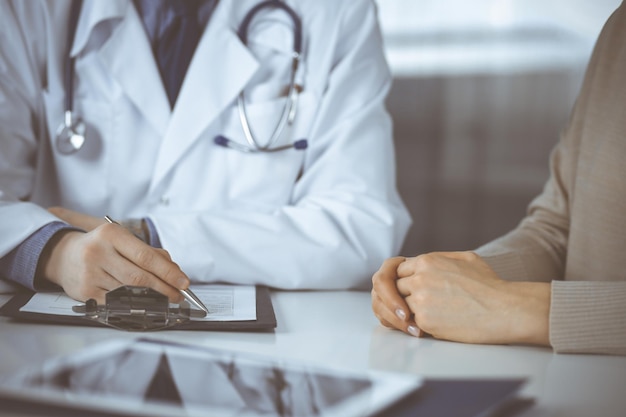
x=219 y=70
x=93 y=12
x=127 y=46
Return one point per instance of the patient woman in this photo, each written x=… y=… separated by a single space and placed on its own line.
x=559 y=278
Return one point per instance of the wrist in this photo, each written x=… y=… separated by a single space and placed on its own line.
x=532 y=312
x=54 y=253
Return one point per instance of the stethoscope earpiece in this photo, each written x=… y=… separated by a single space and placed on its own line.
x=70 y=137
x=223 y=141
x=301 y=144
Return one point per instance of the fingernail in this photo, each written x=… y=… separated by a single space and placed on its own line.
x=182 y=283
x=401 y=314
x=413 y=330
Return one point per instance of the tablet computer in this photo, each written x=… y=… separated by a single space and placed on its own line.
x=147 y=377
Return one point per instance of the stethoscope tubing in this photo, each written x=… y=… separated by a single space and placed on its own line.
x=69 y=62
x=245 y=23
x=70 y=136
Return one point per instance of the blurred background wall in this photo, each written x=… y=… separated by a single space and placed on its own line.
x=481 y=92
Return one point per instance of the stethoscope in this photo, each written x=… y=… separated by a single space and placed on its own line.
x=70 y=136
x=289 y=110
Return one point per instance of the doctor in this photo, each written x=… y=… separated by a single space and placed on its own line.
x=319 y=215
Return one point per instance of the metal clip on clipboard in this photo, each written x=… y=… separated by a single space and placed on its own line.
x=137 y=309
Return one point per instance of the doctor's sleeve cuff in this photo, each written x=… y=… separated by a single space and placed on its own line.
x=153 y=235
x=20 y=265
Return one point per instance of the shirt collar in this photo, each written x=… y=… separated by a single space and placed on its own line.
x=93 y=12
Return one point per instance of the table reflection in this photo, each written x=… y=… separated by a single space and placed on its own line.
x=201 y=380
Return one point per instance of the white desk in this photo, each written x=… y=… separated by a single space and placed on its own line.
x=339 y=329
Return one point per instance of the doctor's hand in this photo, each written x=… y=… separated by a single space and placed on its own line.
x=88 y=265
x=457 y=296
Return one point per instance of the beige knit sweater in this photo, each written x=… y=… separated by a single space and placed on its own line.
x=575 y=232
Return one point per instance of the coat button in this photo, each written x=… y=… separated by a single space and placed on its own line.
x=164 y=201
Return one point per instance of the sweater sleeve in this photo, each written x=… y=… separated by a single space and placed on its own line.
x=536 y=250
x=573 y=234
x=588 y=317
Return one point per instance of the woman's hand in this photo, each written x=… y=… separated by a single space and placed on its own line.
x=389 y=306
x=88 y=265
x=457 y=296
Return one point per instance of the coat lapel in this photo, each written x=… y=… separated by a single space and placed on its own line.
x=128 y=56
x=219 y=70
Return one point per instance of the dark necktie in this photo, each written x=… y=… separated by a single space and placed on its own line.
x=176 y=46
x=163 y=386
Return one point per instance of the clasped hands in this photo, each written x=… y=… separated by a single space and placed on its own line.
x=457 y=296
x=104 y=257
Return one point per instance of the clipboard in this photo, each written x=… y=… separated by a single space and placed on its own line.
x=265 y=321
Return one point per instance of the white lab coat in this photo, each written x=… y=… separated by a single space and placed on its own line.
x=321 y=218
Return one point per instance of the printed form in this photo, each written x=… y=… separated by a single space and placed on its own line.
x=225 y=302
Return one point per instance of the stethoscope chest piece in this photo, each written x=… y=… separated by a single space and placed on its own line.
x=70 y=136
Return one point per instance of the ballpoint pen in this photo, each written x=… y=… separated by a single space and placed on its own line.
x=187 y=293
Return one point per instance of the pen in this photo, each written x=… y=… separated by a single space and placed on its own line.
x=188 y=294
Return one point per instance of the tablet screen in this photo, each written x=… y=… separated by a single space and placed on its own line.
x=148 y=377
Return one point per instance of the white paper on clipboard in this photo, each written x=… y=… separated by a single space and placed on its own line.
x=225 y=302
